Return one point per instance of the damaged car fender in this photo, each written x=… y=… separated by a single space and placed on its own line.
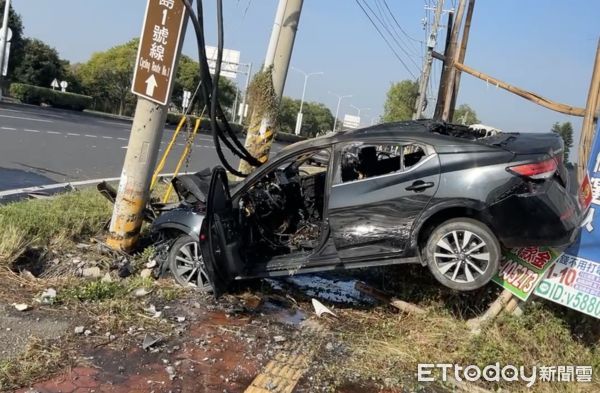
x=182 y=219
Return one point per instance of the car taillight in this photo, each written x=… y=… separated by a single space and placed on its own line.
x=536 y=170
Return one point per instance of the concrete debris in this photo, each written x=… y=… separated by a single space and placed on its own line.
x=91 y=272
x=279 y=339
x=180 y=319
x=151 y=264
x=152 y=310
x=171 y=371
x=146 y=273
x=79 y=329
x=21 y=306
x=149 y=341
x=48 y=296
x=76 y=261
x=82 y=246
x=141 y=292
x=320 y=309
x=87 y=333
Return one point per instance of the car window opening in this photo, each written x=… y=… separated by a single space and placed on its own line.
x=367 y=161
x=283 y=213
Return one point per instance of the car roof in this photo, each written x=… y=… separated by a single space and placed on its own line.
x=426 y=131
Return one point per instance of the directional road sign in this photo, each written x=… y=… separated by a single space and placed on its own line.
x=157 y=53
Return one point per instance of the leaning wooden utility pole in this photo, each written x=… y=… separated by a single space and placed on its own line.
x=452 y=58
x=156 y=66
x=590 y=118
x=431 y=42
x=461 y=56
x=437 y=113
x=260 y=130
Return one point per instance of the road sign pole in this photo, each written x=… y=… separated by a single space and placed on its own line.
x=155 y=69
x=4 y=39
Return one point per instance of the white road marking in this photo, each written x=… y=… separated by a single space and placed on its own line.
x=54 y=132
x=122 y=139
x=9 y=128
x=107 y=137
x=17 y=191
x=111 y=122
x=27 y=118
x=123 y=147
x=91 y=136
x=73 y=134
x=28 y=130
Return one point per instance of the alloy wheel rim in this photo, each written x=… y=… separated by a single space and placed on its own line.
x=190 y=266
x=461 y=256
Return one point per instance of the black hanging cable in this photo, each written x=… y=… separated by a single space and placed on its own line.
x=210 y=93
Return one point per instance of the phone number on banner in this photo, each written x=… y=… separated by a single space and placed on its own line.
x=573 y=282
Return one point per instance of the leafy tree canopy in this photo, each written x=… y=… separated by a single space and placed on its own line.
x=565 y=130
x=401 y=100
x=317 y=117
x=466 y=115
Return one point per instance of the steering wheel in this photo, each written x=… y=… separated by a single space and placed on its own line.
x=279 y=200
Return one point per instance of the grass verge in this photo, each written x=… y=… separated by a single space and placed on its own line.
x=387 y=347
x=41 y=223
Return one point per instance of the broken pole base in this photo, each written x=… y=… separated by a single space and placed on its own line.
x=401 y=305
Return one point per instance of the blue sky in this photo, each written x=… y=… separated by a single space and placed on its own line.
x=544 y=46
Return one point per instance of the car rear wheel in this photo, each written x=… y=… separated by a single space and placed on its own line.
x=187 y=265
x=463 y=254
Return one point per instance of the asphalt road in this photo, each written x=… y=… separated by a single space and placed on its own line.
x=40 y=146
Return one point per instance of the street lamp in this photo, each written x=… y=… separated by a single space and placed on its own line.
x=337 y=111
x=300 y=115
x=359 y=109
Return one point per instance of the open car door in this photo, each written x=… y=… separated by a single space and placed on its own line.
x=223 y=238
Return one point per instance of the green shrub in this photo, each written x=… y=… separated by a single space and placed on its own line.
x=36 y=95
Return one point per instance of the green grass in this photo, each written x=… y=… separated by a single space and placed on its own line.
x=382 y=345
x=72 y=216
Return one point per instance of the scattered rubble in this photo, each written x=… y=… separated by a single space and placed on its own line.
x=320 y=309
x=150 y=341
x=48 y=296
x=141 y=292
x=91 y=272
x=79 y=329
x=146 y=273
x=21 y=306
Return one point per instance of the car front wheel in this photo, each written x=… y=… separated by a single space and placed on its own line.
x=463 y=254
x=187 y=265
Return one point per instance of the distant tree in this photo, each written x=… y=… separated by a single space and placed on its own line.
x=40 y=64
x=317 y=118
x=15 y=23
x=466 y=115
x=565 y=130
x=400 y=102
x=188 y=76
x=107 y=77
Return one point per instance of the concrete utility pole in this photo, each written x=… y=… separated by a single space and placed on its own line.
x=260 y=132
x=337 y=111
x=300 y=114
x=427 y=62
x=439 y=103
x=154 y=88
x=4 y=39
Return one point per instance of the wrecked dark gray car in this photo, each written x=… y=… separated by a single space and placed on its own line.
x=441 y=195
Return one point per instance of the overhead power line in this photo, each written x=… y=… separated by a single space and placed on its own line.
x=385 y=39
x=385 y=26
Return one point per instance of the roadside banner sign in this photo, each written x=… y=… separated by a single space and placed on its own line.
x=229 y=65
x=157 y=52
x=351 y=122
x=522 y=269
x=574 y=281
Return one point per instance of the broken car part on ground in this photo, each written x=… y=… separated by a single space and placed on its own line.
x=442 y=195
